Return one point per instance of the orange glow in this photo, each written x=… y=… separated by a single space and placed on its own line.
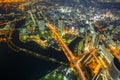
x=117 y=0
x=72 y=59
x=95 y=66
x=11 y=1
x=70 y=33
x=3 y=39
x=115 y=51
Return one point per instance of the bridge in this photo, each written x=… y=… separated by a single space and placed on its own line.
x=72 y=59
x=15 y=20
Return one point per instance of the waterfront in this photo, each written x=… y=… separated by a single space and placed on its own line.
x=38 y=37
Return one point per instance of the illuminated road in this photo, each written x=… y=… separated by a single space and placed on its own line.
x=4 y=31
x=72 y=59
x=15 y=20
x=7 y=32
x=71 y=33
x=16 y=48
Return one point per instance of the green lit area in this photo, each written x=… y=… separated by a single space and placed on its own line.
x=64 y=74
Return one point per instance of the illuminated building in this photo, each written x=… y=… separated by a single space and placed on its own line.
x=61 y=25
x=41 y=25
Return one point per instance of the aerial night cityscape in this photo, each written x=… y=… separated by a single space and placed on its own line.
x=59 y=39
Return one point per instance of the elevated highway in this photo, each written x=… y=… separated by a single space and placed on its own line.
x=72 y=59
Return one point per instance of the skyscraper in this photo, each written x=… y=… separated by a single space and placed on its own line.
x=61 y=25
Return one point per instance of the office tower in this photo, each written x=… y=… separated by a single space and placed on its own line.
x=61 y=25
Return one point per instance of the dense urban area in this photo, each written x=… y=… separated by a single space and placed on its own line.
x=82 y=36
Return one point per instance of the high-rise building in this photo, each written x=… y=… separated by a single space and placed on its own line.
x=41 y=25
x=61 y=25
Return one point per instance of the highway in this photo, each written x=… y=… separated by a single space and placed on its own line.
x=15 y=20
x=72 y=59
